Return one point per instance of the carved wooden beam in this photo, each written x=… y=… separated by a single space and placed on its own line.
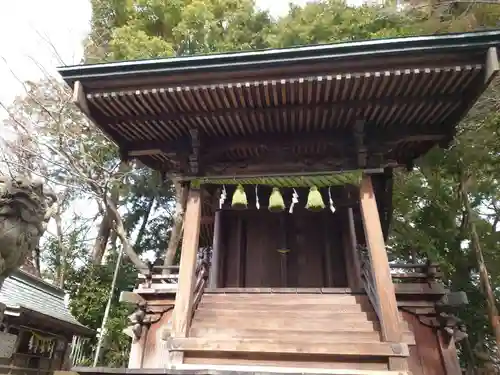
x=195 y=151
x=275 y=164
x=359 y=136
x=345 y=104
x=167 y=147
x=213 y=147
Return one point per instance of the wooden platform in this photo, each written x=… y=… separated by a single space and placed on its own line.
x=220 y=370
x=267 y=329
x=417 y=288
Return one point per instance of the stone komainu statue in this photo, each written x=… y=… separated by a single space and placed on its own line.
x=25 y=209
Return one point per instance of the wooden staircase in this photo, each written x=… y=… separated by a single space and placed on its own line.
x=335 y=330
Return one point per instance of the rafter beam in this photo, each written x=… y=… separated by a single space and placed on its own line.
x=344 y=104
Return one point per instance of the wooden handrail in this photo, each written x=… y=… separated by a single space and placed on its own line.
x=390 y=326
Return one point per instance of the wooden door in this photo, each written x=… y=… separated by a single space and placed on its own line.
x=253 y=240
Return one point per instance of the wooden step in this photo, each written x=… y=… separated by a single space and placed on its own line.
x=216 y=313
x=228 y=333
x=372 y=349
x=279 y=322
x=285 y=299
x=223 y=332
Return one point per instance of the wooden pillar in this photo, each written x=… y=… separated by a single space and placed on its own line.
x=184 y=298
x=328 y=264
x=353 y=247
x=216 y=249
x=240 y=253
x=387 y=305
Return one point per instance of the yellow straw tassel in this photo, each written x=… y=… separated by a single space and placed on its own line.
x=314 y=200
x=276 y=202
x=239 y=201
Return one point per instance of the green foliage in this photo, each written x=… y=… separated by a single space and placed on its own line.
x=334 y=21
x=429 y=215
x=153 y=28
x=89 y=288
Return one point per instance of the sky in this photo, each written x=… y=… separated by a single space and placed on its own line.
x=50 y=32
x=34 y=25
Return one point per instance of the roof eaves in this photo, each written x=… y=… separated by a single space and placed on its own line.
x=275 y=57
x=74 y=324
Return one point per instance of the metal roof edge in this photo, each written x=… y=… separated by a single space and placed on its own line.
x=373 y=47
x=38 y=283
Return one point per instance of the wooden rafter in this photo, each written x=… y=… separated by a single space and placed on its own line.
x=337 y=105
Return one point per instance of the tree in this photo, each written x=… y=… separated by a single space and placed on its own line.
x=55 y=140
x=448 y=209
x=50 y=138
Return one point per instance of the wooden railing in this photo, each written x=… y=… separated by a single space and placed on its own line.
x=158 y=278
x=415 y=273
x=201 y=282
x=427 y=273
x=369 y=284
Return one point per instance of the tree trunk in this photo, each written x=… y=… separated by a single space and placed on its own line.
x=117 y=222
x=104 y=232
x=63 y=251
x=483 y=272
x=101 y=240
x=181 y=193
x=142 y=229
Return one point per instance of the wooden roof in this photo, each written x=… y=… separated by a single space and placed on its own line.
x=372 y=104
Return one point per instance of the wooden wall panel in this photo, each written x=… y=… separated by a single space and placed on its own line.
x=154 y=352
x=429 y=356
x=308 y=248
